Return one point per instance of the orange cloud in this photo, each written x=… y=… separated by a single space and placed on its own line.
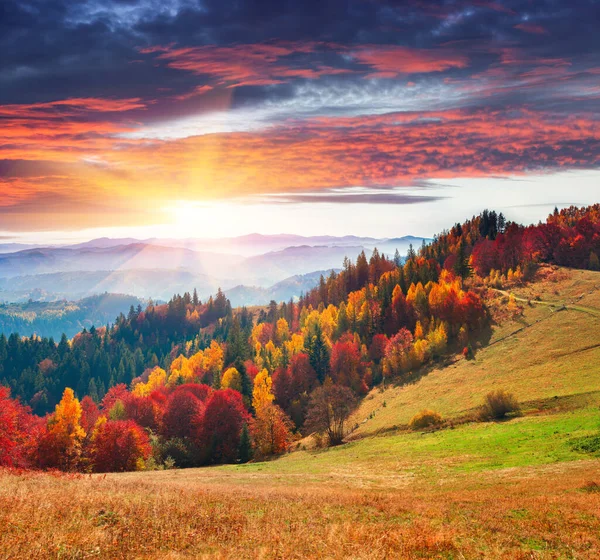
x=266 y=64
x=254 y=64
x=77 y=164
x=394 y=60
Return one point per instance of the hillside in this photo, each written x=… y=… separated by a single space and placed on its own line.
x=52 y=319
x=550 y=351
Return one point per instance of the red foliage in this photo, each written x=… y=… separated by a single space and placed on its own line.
x=224 y=418
x=143 y=410
x=282 y=387
x=118 y=446
x=251 y=369
x=199 y=390
x=347 y=368
x=183 y=414
x=117 y=393
x=471 y=310
x=16 y=426
x=89 y=413
x=303 y=377
x=377 y=348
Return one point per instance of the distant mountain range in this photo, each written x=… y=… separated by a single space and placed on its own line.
x=245 y=245
x=252 y=269
x=281 y=291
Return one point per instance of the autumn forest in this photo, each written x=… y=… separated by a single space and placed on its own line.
x=192 y=383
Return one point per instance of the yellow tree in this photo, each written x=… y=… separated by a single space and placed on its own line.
x=295 y=345
x=213 y=362
x=282 y=331
x=262 y=394
x=196 y=362
x=232 y=380
x=270 y=427
x=181 y=371
x=66 y=432
x=157 y=379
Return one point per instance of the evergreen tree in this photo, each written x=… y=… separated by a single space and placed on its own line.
x=245 y=449
x=318 y=354
x=461 y=265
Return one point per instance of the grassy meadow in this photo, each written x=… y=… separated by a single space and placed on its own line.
x=519 y=488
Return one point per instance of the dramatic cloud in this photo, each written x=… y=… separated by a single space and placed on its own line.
x=110 y=109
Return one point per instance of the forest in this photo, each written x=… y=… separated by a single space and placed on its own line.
x=191 y=383
x=53 y=318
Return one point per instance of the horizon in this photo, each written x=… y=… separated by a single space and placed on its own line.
x=526 y=214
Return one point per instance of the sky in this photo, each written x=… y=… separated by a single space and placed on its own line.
x=206 y=118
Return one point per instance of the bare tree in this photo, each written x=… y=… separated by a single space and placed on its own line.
x=329 y=408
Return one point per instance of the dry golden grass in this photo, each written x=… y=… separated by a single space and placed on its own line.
x=534 y=512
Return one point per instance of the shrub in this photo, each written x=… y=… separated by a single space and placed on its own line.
x=425 y=419
x=498 y=404
x=587 y=444
x=591 y=487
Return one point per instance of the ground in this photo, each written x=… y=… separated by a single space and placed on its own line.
x=519 y=488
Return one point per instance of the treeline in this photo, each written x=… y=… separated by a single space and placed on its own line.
x=486 y=243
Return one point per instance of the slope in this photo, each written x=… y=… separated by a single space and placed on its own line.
x=550 y=351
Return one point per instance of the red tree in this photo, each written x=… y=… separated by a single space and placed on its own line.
x=183 y=415
x=282 y=387
x=143 y=410
x=224 y=418
x=89 y=413
x=377 y=348
x=302 y=374
x=346 y=364
x=117 y=393
x=16 y=426
x=119 y=446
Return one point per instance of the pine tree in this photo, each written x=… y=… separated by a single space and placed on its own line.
x=397 y=259
x=318 y=354
x=461 y=266
x=245 y=448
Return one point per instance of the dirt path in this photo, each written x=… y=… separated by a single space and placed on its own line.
x=554 y=305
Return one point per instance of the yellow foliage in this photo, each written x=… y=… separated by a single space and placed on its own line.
x=295 y=345
x=232 y=380
x=157 y=378
x=213 y=358
x=262 y=394
x=180 y=370
x=66 y=430
x=419 y=333
x=282 y=331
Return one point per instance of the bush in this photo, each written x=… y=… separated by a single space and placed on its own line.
x=587 y=444
x=498 y=404
x=425 y=419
